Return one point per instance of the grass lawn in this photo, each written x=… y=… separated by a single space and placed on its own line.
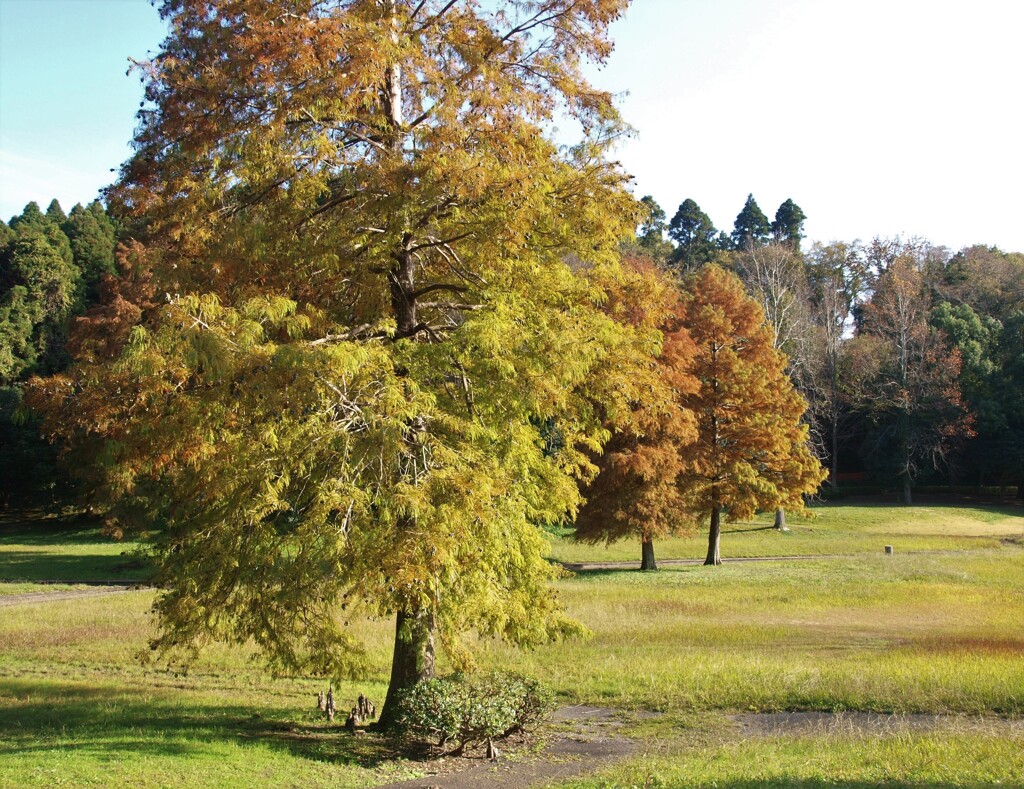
x=71 y=548
x=934 y=632
x=863 y=528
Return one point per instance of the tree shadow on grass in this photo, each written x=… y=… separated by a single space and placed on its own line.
x=40 y=529
x=39 y=566
x=108 y=722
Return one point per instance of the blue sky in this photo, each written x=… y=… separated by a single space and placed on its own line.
x=878 y=117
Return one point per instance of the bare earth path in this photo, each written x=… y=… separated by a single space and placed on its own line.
x=588 y=742
x=591 y=740
x=27 y=598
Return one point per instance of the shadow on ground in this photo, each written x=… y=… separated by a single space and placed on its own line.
x=21 y=534
x=38 y=718
x=34 y=566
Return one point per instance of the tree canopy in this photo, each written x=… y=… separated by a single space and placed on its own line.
x=376 y=372
x=751 y=226
x=751 y=453
x=636 y=492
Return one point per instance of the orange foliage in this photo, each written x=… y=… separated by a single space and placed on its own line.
x=752 y=452
x=635 y=492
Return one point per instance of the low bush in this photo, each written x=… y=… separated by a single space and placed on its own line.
x=458 y=711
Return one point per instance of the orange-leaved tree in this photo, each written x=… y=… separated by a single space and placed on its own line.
x=635 y=492
x=751 y=453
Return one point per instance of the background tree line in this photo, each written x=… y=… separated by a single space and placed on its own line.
x=52 y=265
x=910 y=356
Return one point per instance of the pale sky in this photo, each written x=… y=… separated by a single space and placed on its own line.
x=876 y=117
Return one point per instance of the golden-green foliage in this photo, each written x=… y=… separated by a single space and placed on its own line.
x=367 y=357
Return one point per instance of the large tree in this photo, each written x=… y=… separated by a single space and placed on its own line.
x=776 y=277
x=650 y=235
x=913 y=395
x=838 y=278
x=92 y=234
x=751 y=452
x=788 y=227
x=374 y=373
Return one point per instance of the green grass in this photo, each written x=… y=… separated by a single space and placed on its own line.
x=889 y=634
x=8 y=588
x=65 y=549
x=940 y=631
x=964 y=756
x=832 y=529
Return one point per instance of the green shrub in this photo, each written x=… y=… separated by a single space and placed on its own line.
x=459 y=711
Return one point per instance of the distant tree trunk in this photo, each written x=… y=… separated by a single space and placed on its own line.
x=647 y=558
x=413 y=660
x=907 y=498
x=780 y=519
x=714 y=556
x=833 y=477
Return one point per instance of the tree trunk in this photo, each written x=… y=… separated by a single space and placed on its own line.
x=780 y=519
x=907 y=497
x=413 y=660
x=714 y=556
x=834 y=475
x=647 y=557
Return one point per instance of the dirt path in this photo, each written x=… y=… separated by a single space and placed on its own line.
x=27 y=598
x=589 y=741
x=768 y=724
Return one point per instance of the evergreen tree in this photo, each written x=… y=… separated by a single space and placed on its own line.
x=788 y=226
x=751 y=227
x=55 y=213
x=31 y=215
x=651 y=233
x=6 y=237
x=694 y=234
x=92 y=236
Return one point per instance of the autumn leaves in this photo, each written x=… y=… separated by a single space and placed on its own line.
x=720 y=433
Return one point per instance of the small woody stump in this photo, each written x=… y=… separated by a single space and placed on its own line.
x=362 y=712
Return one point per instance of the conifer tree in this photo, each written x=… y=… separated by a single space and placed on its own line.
x=92 y=236
x=751 y=453
x=55 y=213
x=636 y=491
x=694 y=232
x=788 y=226
x=375 y=372
x=751 y=227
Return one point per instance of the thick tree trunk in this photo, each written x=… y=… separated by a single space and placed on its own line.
x=907 y=497
x=714 y=556
x=413 y=660
x=780 y=519
x=647 y=554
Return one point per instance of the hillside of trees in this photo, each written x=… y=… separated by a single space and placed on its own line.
x=52 y=268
